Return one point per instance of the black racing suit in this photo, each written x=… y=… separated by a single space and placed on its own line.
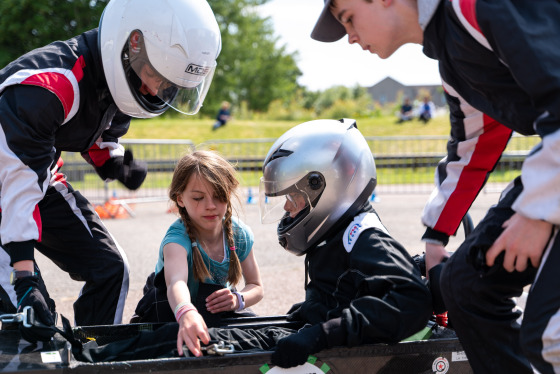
x=372 y=294
x=500 y=66
x=55 y=99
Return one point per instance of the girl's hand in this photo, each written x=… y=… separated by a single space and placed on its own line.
x=222 y=301
x=192 y=328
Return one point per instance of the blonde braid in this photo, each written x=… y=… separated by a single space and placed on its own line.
x=200 y=271
x=234 y=271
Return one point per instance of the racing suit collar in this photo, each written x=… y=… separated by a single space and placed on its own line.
x=426 y=9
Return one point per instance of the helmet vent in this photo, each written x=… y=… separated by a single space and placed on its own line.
x=350 y=122
x=280 y=153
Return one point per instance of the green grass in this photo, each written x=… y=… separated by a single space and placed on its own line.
x=423 y=175
x=200 y=130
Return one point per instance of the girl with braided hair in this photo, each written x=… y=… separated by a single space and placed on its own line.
x=203 y=255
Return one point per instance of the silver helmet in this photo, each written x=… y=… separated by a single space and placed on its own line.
x=314 y=175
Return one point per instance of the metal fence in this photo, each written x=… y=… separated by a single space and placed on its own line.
x=404 y=165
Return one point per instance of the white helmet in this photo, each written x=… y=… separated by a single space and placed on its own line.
x=325 y=171
x=158 y=54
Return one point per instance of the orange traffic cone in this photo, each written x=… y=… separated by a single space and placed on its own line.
x=111 y=209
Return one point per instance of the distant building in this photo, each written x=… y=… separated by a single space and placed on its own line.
x=389 y=90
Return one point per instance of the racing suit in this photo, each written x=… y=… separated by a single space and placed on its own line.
x=365 y=284
x=55 y=99
x=500 y=69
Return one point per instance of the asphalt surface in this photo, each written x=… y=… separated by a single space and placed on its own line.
x=282 y=272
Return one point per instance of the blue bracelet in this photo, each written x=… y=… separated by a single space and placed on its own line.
x=26 y=293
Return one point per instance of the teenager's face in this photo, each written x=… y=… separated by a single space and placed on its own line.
x=371 y=25
x=151 y=81
x=295 y=202
x=203 y=207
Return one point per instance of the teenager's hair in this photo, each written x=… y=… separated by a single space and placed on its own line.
x=335 y=3
x=221 y=175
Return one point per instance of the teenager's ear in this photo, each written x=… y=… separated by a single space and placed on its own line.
x=134 y=42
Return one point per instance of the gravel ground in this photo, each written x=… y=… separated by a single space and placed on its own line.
x=282 y=272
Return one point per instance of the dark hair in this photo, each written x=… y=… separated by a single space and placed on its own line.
x=334 y=3
x=221 y=175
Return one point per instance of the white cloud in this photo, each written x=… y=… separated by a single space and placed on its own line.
x=327 y=64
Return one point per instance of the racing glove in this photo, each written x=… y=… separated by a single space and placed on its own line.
x=125 y=169
x=29 y=294
x=435 y=289
x=310 y=311
x=296 y=348
x=294 y=312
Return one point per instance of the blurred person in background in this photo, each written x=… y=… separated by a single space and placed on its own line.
x=223 y=116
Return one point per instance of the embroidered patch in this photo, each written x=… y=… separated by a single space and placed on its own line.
x=360 y=223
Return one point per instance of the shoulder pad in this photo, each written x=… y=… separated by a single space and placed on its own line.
x=360 y=223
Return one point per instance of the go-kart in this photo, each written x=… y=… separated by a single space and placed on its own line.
x=435 y=349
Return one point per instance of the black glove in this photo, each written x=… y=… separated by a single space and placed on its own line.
x=125 y=169
x=294 y=312
x=310 y=311
x=420 y=260
x=296 y=348
x=435 y=289
x=133 y=172
x=29 y=294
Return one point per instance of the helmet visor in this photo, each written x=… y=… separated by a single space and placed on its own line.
x=274 y=207
x=186 y=98
x=181 y=90
x=189 y=99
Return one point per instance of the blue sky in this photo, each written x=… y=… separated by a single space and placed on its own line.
x=328 y=64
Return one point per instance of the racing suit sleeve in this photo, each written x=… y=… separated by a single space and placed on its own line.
x=392 y=302
x=29 y=118
x=524 y=35
x=475 y=146
x=110 y=159
x=107 y=145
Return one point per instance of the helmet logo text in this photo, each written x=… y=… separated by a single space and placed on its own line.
x=197 y=69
